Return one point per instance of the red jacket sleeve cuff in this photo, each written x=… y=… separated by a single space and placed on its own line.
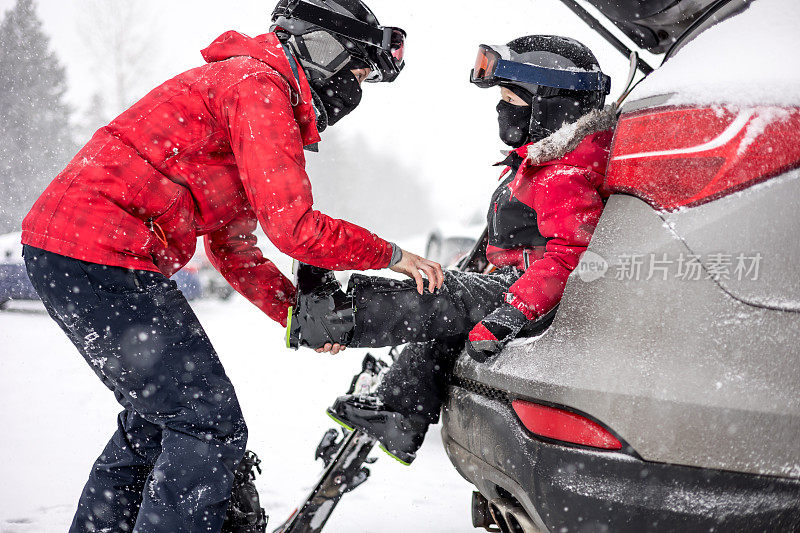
x=386 y=258
x=515 y=302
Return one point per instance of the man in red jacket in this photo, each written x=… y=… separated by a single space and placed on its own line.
x=212 y=152
x=540 y=221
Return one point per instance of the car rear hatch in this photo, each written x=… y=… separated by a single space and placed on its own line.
x=655 y=25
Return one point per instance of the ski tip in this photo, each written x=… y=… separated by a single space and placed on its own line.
x=393 y=456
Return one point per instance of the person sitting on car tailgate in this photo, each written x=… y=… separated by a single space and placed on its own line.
x=540 y=219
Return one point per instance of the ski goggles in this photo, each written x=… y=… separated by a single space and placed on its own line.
x=492 y=69
x=383 y=48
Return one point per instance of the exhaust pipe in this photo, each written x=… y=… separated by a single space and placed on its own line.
x=510 y=517
x=501 y=515
x=481 y=516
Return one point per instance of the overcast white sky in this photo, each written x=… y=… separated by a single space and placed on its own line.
x=431 y=114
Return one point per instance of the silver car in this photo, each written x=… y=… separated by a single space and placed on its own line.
x=665 y=395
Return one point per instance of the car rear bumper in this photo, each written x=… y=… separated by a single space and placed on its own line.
x=576 y=489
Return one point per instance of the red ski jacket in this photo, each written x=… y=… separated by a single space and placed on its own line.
x=545 y=216
x=210 y=152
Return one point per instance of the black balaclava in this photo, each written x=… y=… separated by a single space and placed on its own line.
x=340 y=94
x=544 y=115
x=514 y=122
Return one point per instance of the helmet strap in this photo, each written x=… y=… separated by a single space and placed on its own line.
x=319 y=109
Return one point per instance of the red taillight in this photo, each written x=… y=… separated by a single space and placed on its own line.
x=682 y=157
x=563 y=425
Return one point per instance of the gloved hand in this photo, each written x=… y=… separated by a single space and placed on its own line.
x=491 y=334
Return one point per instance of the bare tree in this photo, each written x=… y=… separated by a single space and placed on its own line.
x=378 y=190
x=122 y=39
x=92 y=118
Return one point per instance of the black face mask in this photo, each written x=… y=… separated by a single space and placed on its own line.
x=514 y=122
x=553 y=112
x=340 y=94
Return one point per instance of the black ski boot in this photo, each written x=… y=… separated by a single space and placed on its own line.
x=400 y=435
x=322 y=313
x=245 y=514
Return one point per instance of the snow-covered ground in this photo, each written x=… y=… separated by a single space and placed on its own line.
x=56 y=417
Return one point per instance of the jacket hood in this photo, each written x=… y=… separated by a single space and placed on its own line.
x=584 y=143
x=268 y=49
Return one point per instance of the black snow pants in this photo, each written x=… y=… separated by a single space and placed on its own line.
x=169 y=465
x=391 y=312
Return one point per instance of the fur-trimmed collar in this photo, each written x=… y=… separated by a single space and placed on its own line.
x=567 y=139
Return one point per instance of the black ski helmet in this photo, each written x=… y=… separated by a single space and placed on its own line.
x=328 y=35
x=559 y=77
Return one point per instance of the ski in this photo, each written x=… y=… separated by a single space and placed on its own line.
x=345 y=472
x=344 y=457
